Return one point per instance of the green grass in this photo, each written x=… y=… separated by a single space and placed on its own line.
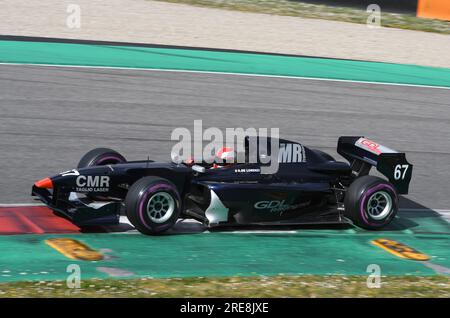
x=314 y=11
x=277 y=286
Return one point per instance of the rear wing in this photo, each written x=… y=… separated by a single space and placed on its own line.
x=363 y=153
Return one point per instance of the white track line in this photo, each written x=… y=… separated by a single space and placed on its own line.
x=226 y=73
x=18 y=205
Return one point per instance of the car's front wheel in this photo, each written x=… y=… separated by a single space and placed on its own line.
x=101 y=157
x=371 y=202
x=152 y=205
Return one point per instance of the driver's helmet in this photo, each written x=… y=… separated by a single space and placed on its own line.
x=225 y=157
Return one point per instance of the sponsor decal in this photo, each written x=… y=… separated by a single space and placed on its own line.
x=373 y=147
x=247 y=170
x=74 y=249
x=88 y=183
x=125 y=186
x=400 y=250
x=92 y=183
x=279 y=206
x=291 y=153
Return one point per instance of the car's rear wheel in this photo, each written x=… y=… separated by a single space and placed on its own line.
x=371 y=202
x=152 y=205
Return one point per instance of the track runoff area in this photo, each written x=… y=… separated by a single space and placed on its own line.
x=41 y=246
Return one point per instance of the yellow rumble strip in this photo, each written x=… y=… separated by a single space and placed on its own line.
x=74 y=249
x=400 y=250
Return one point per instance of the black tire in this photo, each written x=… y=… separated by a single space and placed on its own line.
x=138 y=202
x=101 y=157
x=371 y=202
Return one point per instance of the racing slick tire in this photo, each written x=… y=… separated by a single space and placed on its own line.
x=152 y=205
x=101 y=157
x=371 y=202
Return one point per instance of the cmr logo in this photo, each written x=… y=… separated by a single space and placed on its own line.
x=291 y=153
x=92 y=183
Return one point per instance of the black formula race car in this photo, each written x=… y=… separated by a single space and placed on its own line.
x=310 y=187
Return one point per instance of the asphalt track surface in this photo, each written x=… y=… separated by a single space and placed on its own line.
x=50 y=116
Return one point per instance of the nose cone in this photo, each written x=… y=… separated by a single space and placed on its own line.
x=44 y=183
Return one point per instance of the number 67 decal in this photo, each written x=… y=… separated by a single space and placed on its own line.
x=400 y=171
